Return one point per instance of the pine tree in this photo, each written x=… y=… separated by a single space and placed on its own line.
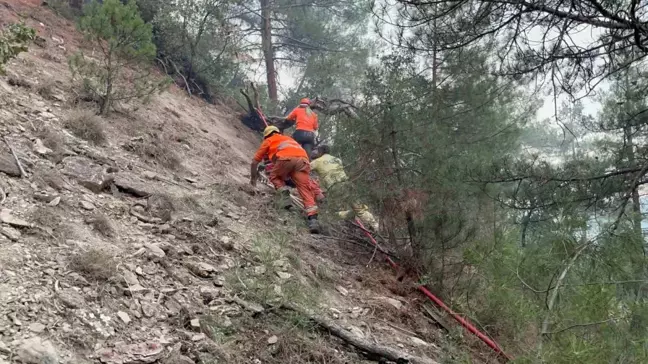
x=126 y=50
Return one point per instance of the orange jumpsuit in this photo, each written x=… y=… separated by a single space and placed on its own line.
x=290 y=160
x=305 y=119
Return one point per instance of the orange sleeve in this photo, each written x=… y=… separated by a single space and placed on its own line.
x=262 y=152
x=315 y=121
x=293 y=115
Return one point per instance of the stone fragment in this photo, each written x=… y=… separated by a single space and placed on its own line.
x=37 y=351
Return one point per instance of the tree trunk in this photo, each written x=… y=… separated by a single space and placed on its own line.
x=268 y=51
x=105 y=101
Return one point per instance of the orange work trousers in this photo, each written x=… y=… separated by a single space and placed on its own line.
x=298 y=169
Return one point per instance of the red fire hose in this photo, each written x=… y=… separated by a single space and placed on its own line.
x=465 y=323
x=258 y=110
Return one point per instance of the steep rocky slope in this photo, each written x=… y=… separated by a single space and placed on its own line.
x=151 y=247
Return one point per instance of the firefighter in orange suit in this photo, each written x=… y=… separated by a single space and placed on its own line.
x=289 y=160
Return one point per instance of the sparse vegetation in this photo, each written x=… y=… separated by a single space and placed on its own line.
x=262 y=283
x=52 y=139
x=13 y=41
x=47 y=216
x=45 y=89
x=63 y=8
x=155 y=150
x=125 y=45
x=86 y=125
x=49 y=56
x=94 y=264
x=101 y=224
x=18 y=81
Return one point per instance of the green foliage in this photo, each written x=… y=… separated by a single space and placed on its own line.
x=14 y=40
x=195 y=43
x=327 y=45
x=126 y=50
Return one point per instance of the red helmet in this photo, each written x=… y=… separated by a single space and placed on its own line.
x=305 y=100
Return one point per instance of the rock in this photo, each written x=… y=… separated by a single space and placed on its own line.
x=131 y=278
x=36 y=327
x=44 y=197
x=87 y=205
x=150 y=309
x=4 y=349
x=261 y=269
x=53 y=179
x=209 y=294
x=41 y=149
x=250 y=306
x=150 y=175
x=273 y=339
x=55 y=201
x=195 y=324
x=394 y=302
x=146 y=352
x=199 y=337
x=8 y=165
x=159 y=206
x=37 y=351
x=70 y=298
x=11 y=233
x=417 y=342
x=177 y=359
x=155 y=250
x=219 y=281
x=343 y=291
x=88 y=173
x=124 y=317
x=201 y=269
x=133 y=185
x=283 y=275
x=7 y=218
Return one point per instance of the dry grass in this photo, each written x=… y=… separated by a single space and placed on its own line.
x=46 y=89
x=51 y=178
x=17 y=81
x=47 y=216
x=157 y=151
x=86 y=125
x=54 y=141
x=94 y=264
x=101 y=224
x=49 y=56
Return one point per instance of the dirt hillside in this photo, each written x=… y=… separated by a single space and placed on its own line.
x=136 y=239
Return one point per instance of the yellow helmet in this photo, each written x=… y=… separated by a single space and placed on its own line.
x=269 y=130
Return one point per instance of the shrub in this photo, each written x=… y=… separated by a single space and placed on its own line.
x=13 y=41
x=156 y=150
x=94 y=264
x=86 y=125
x=101 y=224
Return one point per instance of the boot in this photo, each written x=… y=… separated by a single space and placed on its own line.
x=313 y=225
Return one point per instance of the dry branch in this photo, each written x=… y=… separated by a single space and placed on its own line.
x=364 y=345
x=13 y=152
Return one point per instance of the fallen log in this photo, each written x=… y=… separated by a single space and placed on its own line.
x=364 y=345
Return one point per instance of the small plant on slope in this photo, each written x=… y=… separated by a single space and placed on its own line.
x=13 y=41
x=126 y=50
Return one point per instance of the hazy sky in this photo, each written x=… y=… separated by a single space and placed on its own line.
x=585 y=35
